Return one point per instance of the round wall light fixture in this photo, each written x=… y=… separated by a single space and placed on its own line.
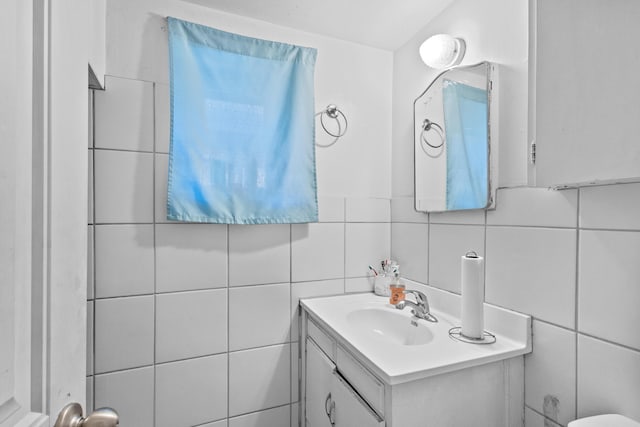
x=442 y=51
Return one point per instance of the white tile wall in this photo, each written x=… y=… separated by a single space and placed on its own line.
x=259 y=254
x=295 y=365
x=190 y=256
x=534 y=419
x=90 y=195
x=276 y=417
x=124 y=260
x=317 y=251
x=295 y=409
x=403 y=210
x=608 y=281
x=540 y=207
x=89 y=399
x=125 y=111
x=366 y=243
x=608 y=379
x=330 y=209
x=124 y=333
x=259 y=315
x=90 y=337
x=211 y=294
x=458 y=217
x=160 y=187
x=307 y=290
x=162 y=118
x=130 y=392
x=532 y=253
x=411 y=250
x=359 y=284
x=190 y=324
x=610 y=207
x=368 y=210
x=191 y=392
x=447 y=244
x=140 y=252
x=550 y=373
x=259 y=378
x=123 y=187
x=221 y=423
x=90 y=263
x=533 y=270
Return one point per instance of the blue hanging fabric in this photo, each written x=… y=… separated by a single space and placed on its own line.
x=242 y=129
x=465 y=117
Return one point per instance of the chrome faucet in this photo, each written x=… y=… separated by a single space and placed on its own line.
x=420 y=308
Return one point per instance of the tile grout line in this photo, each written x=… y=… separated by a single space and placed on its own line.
x=576 y=301
x=227 y=352
x=344 y=245
x=428 y=247
x=93 y=229
x=290 y=316
x=542 y=415
x=155 y=255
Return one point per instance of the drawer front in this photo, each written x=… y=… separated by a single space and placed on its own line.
x=324 y=341
x=368 y=386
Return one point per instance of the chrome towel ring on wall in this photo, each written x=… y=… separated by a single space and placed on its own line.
x=338 y=116
x=428 y=125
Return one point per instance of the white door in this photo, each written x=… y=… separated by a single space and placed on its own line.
x=43 y=208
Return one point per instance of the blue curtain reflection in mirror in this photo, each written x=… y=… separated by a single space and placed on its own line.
x=465 y=116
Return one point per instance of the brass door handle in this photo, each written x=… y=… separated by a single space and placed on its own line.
x=71 y=416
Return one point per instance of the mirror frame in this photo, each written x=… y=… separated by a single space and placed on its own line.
x=492 y=134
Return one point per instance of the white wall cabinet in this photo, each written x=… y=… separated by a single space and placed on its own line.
x=584 y=92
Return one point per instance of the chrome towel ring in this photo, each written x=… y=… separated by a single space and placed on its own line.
x=334 y=113
x=428 y=125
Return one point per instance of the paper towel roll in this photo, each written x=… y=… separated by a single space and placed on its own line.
x=472 y=313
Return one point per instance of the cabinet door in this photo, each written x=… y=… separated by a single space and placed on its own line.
x=350 y=409
x=585 y=99
x=318 y=380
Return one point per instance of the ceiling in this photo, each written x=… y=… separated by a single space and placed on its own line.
x=383 y=24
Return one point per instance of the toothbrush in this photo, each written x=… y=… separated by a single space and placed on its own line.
x=375 y=273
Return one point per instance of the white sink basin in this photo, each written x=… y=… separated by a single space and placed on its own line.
x=398 y=351
x=390 y=325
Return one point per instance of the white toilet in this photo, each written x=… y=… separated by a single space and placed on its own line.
x=609 y=420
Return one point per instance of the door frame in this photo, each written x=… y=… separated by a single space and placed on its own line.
x=47 y=282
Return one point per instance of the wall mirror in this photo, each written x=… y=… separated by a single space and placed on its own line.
x=454 y=136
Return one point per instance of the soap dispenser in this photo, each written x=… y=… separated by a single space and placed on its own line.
x=396 y=289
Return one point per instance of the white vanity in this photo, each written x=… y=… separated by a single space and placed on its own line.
x=364 y=363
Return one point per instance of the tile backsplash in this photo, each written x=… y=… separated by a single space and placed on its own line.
x=196 y=324
x=202 y=318
x=569 y=259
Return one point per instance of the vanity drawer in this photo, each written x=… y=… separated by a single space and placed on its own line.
x=324 y=341
x=368 y=386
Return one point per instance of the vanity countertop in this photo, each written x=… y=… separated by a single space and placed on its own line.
x=395 y=362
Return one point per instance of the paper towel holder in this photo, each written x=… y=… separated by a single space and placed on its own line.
x=487 y=337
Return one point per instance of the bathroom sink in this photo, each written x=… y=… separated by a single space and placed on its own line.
x=390 y=325
x=398 y=351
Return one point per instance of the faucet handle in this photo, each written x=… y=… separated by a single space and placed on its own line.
x=420 y=297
